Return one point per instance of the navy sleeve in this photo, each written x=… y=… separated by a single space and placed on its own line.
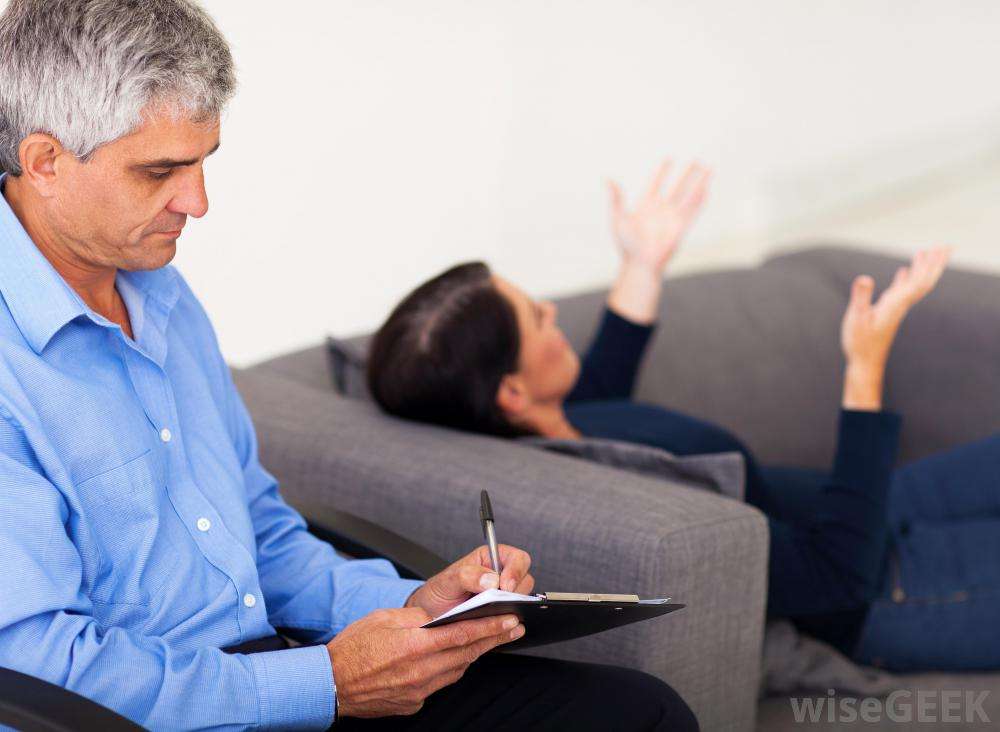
x=833 y=562
x=609 y=368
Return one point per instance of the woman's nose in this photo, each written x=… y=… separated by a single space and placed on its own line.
x=552 y=311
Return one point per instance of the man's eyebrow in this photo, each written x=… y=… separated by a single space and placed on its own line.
x=171 y=163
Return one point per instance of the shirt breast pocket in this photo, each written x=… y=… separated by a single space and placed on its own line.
x=127 y=512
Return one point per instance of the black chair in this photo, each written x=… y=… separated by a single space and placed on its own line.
x=33 y=705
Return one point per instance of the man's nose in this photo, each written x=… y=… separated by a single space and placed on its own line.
x=192 y=198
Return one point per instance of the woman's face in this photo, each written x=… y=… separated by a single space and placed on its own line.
x=547 y=365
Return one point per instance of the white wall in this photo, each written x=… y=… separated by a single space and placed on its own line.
x=374 y=142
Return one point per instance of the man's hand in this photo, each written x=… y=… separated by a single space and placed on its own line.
x=471 y=575
x=386 y=664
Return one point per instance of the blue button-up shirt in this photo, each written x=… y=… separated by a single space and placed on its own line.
x=138 y=532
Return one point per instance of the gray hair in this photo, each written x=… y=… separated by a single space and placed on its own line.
x=87 y=71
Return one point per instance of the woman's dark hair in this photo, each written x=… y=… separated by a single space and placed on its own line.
x=443 y=351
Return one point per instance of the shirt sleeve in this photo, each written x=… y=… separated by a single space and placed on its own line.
x=324 y=592
x=832 y=561
x=609 y=368
x=47 y=630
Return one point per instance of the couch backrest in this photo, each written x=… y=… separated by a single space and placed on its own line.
x=758 y=351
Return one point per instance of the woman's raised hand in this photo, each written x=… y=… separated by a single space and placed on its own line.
x=869 y=329
x=649 y=234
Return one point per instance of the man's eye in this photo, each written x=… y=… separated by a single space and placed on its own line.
x=160 y=176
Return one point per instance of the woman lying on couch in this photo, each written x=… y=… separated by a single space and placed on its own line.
x=469 y=350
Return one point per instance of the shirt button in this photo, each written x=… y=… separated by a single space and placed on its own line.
x=249 y=600
x=165 y=434
x=204 y=524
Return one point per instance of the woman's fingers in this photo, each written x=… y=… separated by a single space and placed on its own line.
x=656 y=185
x=937 y=262
x=861 y=293
x=696 y=194
x=680 y=190
x=927 y=267
x=615 y=194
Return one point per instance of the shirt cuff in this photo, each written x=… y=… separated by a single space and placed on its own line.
x=619 y=324
x=380 y=593
x=295 y=688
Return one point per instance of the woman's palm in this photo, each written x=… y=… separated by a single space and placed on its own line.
x=868 y=329
x=650 y=233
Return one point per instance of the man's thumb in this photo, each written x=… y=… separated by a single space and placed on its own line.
x=476 y=579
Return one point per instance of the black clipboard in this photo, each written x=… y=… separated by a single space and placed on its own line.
x=554 y=619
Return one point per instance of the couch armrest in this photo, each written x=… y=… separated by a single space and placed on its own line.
x=588 y=527
x=33 y=705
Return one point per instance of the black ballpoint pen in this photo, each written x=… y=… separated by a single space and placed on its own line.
x=486 y=516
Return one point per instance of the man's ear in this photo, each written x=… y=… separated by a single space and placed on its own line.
x=41 y=156
x=512 y=397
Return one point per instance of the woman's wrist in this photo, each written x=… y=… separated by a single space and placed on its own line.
x=863 y=386
x=635 y=294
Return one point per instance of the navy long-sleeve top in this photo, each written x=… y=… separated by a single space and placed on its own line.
x=829 y=533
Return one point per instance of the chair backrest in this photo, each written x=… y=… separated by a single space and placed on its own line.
x=33 y=705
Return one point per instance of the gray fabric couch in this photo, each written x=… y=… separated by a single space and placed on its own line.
x=755 y=350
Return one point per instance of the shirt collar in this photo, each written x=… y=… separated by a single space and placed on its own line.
x=40 y=300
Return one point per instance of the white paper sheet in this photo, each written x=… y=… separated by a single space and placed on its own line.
x=485 y=598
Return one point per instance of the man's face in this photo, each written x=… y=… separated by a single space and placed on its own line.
x=126 y=206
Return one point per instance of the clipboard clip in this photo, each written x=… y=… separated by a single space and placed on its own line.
x=587 y=597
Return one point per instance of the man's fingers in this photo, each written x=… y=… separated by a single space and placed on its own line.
x=526 y=585
x=444 y=665
x=489 y=643
x=515 y=563
x=475 y=578
x=448 y=666
x=445 y=678
x=464 y=655
x=467 y=632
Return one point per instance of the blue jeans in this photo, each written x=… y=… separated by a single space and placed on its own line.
x=940 y=604
x=939 y=607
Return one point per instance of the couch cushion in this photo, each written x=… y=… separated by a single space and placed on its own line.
x=347 y=361
x=720 y=472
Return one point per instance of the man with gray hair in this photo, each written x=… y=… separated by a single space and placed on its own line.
x=148 y=557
